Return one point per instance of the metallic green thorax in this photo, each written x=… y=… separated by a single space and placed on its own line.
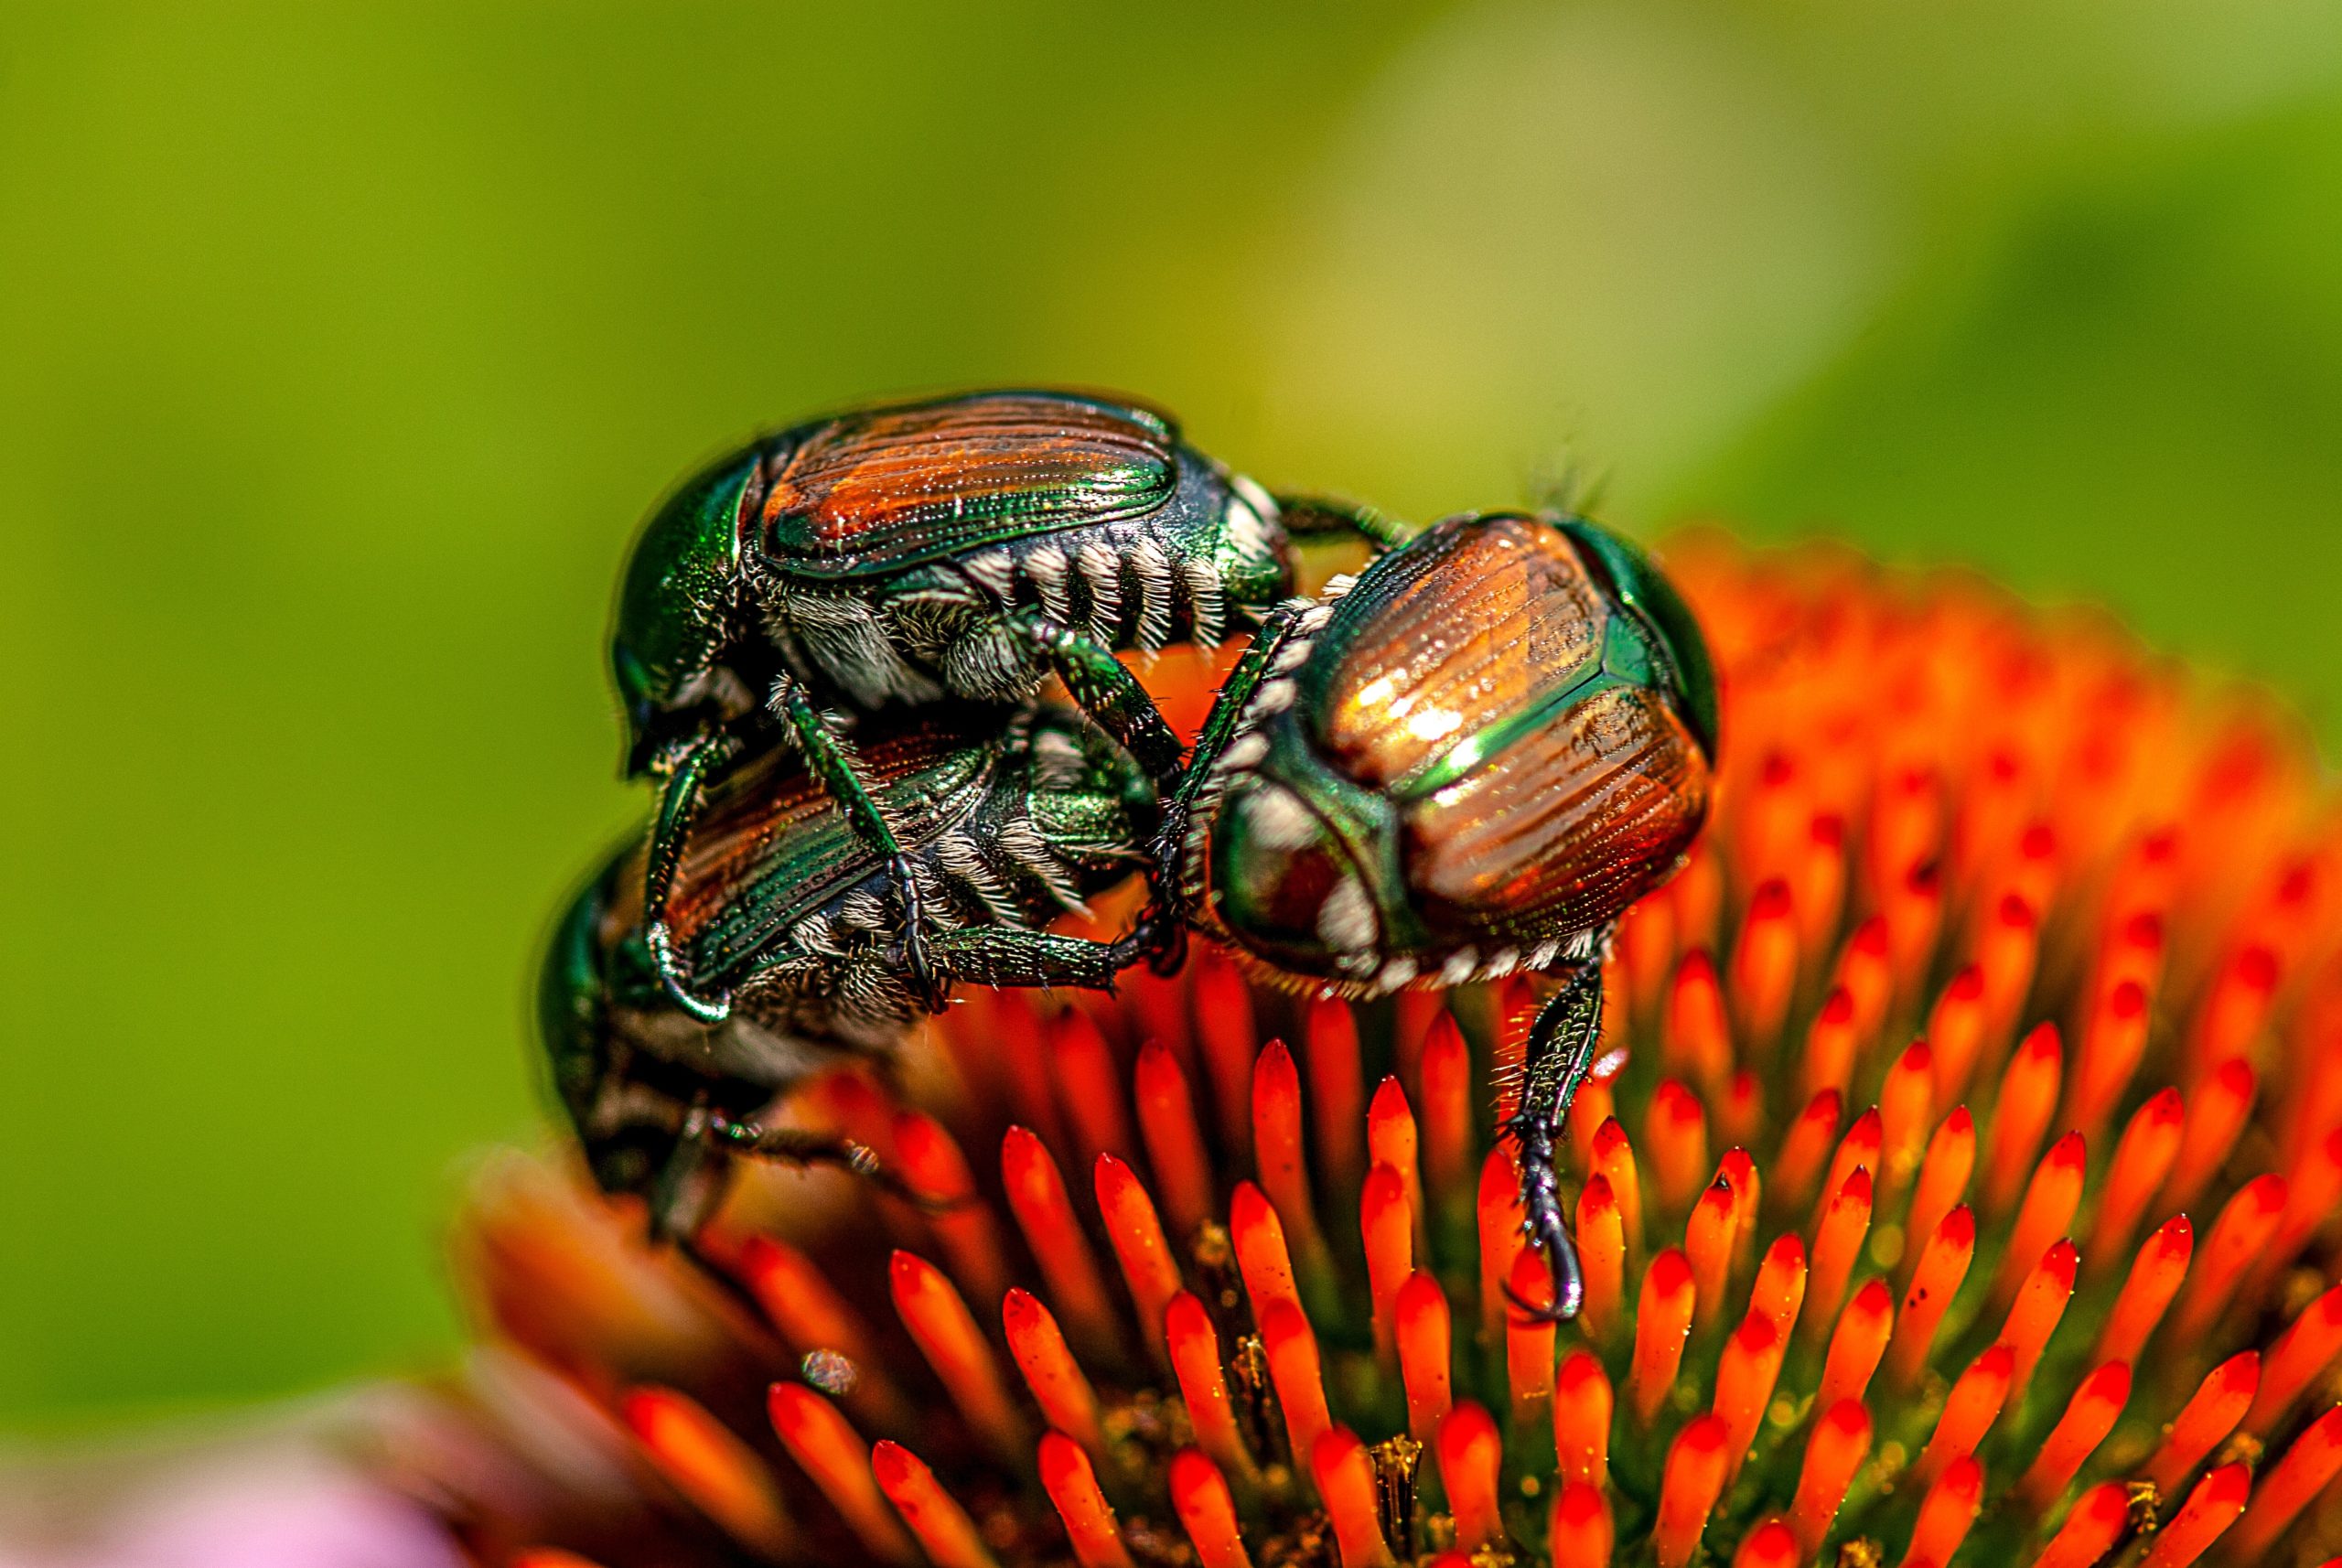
x=675 y=604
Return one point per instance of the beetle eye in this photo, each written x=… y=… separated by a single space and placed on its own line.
x=1288 y=888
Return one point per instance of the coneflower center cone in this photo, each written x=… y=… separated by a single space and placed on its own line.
x=1957 y=1185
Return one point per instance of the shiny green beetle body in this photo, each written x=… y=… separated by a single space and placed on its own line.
x=1005 y=821
x=1466 y=764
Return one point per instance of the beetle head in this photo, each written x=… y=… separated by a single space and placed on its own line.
x=675 y=612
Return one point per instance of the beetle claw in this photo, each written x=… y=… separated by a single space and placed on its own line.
x=933 y=990
x=662 y=943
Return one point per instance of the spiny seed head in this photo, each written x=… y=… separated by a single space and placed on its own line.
x=1958 y=1186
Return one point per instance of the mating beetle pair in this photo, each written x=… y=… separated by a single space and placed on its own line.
x=1469 y=764
x=963 y=549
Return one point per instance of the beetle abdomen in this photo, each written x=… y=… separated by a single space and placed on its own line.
x=881 y=489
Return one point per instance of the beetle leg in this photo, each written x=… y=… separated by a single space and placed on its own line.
x=1219 y=728
x=827 y=760
x=1318 y=517
x=1105 y=689
x=1000 y=956
x=678 y=804
x=802 y=1146
x=1561 y=1048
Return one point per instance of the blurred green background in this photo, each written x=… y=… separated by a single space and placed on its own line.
x=342 y=348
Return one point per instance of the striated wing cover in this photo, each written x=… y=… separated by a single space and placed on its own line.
x=771 y=846
x=1492 y=690
x=1504 y=842
x=880 y=490
x=1499 y=614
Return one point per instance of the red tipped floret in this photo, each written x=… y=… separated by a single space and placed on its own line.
x=1707 y=1243
x=1261 y=1254
x=1837 y=1247
x=945 y=1333
x=2214 y=1119
x=945 y=1532
x=1036 y=1196
x=1937 y=1279
x=1840 y=1443
x=1391 y=1140
x=1203 y=1383
x=2092 y=1526
x=1293 y=1372
x=1764 y=964
x=1688 y=1491
x=2141 y=1160
x=2021 y=1113
x=1387 y=1224
x=1228 y=1040
x=2205 y=1421
x=1581 y=1407
x=2090 y=1416
x=1448 y=1111
x=2239 y=1236
x=1206 y=1509
x=1829 y=1045
x=1502 y=1240
x=1772 y=1545
x=1345 y=1480
x=1805 y=1151
x=1529 y=1338
x=1601 y=1257
x=1277 y=1148
x=1662 y=1321
x=962 y=1227
x=2034 y=1315
x=1089 y=1519
x=1337 y=1091
x=1968 y=1411
x=1696 y=1041
x=1140 y=1246
x=1905 y=1100
x=1746 y=1372
x=2215 y=1504
x=1089 y=1087
x=2314 y=1459
x=2154 y=1279
x=1066 y=1400
x=2046 y=1214
x=705 y=1462
x=1425 y=1354
x=2302 y=1353
x=1947 y=1511
x=1471 y=1457
x=1175 y=1140
x=828 y=1449
x=1676 y=1134
x=1581 y=1533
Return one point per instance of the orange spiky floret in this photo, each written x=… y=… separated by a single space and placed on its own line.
x=2007 y=980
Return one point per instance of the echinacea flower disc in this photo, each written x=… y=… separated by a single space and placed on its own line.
x=1957 y=1188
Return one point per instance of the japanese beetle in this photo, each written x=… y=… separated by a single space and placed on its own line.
x=1469 y=764
x=1004 y=821
x=961 y=547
